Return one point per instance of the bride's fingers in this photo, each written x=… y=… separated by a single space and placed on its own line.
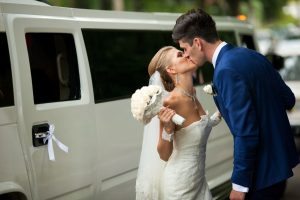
x=170 y=114
x=166 y=114
x=162 y=111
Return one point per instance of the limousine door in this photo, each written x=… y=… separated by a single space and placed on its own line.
x=53 y=100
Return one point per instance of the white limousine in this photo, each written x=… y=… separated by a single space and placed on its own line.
x=70 y=73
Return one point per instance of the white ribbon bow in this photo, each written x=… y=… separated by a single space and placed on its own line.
x=51 y=137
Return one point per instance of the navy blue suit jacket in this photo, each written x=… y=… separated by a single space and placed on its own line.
x=253 y=100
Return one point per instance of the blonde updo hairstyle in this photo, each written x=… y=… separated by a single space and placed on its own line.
x=159 y=63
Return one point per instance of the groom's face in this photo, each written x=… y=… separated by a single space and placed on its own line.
x=193 y=52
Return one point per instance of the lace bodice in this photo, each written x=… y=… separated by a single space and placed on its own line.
x=191 y=138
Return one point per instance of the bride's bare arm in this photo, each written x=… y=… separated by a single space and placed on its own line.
x=164 y=146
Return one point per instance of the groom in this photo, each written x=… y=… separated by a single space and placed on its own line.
x=253 y=100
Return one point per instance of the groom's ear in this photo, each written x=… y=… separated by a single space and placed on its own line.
x=197 y=42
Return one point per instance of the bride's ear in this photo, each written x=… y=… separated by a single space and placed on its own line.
x=171 y=70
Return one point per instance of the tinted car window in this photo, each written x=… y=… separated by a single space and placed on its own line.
x=6 y=85
x=119 y=60
x=54 y=67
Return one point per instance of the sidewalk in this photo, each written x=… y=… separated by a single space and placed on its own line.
x=293 y=186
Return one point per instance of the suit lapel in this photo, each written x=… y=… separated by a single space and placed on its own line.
x=220 y=56
x=223 y=50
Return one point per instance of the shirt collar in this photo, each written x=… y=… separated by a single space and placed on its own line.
x=216 y=53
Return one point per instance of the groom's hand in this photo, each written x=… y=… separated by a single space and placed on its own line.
x=235 y=195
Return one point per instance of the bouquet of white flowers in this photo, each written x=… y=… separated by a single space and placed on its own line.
x=146 y=103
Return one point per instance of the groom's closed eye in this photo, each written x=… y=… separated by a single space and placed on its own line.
x=179 y=54
x=184 y=53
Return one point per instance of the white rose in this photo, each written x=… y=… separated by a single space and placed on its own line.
x=208 y=89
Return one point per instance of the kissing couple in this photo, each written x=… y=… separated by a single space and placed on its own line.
x=250 y=96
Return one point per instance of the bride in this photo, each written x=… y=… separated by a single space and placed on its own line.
x=172 y=163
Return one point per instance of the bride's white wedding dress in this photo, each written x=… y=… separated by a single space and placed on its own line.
x=184 y=174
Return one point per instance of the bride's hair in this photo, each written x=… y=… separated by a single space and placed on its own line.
x=159 y=63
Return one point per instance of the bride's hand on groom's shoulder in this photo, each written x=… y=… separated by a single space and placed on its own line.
x=217 y=114
x=216 y=118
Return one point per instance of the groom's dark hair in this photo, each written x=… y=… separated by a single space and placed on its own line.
x=195 y=23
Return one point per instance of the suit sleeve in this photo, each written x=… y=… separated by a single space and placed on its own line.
x=237 y=99
x=288 y=97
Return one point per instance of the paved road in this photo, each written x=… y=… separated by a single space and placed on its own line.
x=293 y=186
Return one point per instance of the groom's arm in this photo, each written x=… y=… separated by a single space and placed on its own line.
x=287 y=96
x=243 y=125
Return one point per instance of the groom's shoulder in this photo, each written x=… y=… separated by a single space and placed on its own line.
x=239 y=53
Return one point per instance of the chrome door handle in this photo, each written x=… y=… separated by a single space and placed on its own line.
x=39 y=132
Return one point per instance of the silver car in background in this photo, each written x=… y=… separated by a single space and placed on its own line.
x=284 y=53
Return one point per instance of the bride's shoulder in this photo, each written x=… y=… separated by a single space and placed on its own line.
x=172 y=99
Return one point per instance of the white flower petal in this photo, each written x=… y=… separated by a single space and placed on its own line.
x=208 y=89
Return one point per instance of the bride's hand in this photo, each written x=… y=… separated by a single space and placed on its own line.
x=165 y=116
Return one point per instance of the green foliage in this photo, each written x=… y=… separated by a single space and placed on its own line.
x=272 y=9
x=68 y=3
x=160 y=5
x=282 y=21
x=262 y=12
